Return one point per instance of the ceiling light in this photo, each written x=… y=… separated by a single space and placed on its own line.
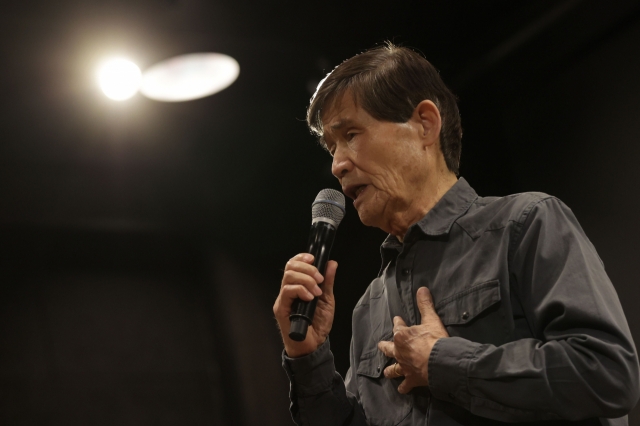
x=119 y=78
x=187 y=77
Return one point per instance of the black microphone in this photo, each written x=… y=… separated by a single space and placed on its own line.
x=327 y=212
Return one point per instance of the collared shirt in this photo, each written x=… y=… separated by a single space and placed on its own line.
x=537 y=331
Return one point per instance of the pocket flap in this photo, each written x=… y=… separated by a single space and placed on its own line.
x=373 y=363
x=464 y=306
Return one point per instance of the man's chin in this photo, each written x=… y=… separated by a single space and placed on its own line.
x=366 y=218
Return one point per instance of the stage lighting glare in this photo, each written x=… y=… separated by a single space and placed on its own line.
x=119 y=78
x=188 y=77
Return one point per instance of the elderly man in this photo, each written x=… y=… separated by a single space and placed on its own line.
x=486 y=309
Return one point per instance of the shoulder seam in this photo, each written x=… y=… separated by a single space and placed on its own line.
x=519 y=224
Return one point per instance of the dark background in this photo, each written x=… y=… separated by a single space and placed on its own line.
x=142 y=243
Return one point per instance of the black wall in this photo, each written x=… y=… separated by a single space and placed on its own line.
x=142 y=244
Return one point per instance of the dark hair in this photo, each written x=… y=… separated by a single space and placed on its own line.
x=389 y=82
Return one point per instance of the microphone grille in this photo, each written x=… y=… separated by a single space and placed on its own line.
x=329 y=204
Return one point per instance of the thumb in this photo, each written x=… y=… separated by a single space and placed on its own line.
x=329 y=277
x=425 y=304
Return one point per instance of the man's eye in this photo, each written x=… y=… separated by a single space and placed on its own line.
x=350 y=136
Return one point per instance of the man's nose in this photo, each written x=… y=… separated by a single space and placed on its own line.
x=341 y=164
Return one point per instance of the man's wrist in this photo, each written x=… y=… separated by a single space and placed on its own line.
x=312 y=373
x=292 y=352
x=448 y=369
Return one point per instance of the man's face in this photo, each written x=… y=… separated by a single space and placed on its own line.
x=380 y=165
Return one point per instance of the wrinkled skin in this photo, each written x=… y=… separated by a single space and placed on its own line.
x=301 y=280
x=411 y=346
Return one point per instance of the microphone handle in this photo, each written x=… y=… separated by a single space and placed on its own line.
x=320 y=241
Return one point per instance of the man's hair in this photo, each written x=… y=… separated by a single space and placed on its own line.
x=389 y=82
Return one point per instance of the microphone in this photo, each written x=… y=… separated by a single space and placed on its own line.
x=327 y=212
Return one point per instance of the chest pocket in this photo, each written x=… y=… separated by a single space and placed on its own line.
x=382 y=402
x=475 y=314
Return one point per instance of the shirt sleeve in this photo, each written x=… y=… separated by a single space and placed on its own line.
x=582 y=362
x=319 y=396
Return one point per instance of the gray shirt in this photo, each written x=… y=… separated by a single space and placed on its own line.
x=537 y=331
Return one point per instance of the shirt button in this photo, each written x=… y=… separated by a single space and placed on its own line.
x=465 y=316
x=405 y=271
x=378 y=369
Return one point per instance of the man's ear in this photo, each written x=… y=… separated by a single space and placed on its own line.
x=427 y=115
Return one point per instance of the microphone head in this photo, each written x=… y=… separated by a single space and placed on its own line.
x=328 y=207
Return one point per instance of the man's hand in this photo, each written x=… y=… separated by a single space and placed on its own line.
x=301 y=280
x=412 y=346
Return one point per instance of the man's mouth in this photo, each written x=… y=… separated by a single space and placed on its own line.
x=359 y=190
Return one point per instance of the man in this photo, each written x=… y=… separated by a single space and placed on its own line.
x=486 y=310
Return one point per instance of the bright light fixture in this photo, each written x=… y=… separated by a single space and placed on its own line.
x=119 y=78
x=191 y=76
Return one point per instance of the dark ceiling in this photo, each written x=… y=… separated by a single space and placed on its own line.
x=71 y=157
x=105 y=183
x=224 y=165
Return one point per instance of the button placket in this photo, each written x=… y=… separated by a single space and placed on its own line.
x=409 y=277
x=405 y=266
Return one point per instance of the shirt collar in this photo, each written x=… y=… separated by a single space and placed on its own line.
x=438 y=221
x=453 y=204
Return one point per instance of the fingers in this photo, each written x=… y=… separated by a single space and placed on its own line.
x=298 y=272
x=300 y=278
x=425 y=304
x=303 y=257
x=302 y=263
x=398 y=324
x=393 y=371
x=288 y=293
x=329 y=277
x=291 y=292
x=387 y=348
x=405 y=387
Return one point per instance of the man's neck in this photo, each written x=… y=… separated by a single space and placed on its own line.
x=429 y=198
